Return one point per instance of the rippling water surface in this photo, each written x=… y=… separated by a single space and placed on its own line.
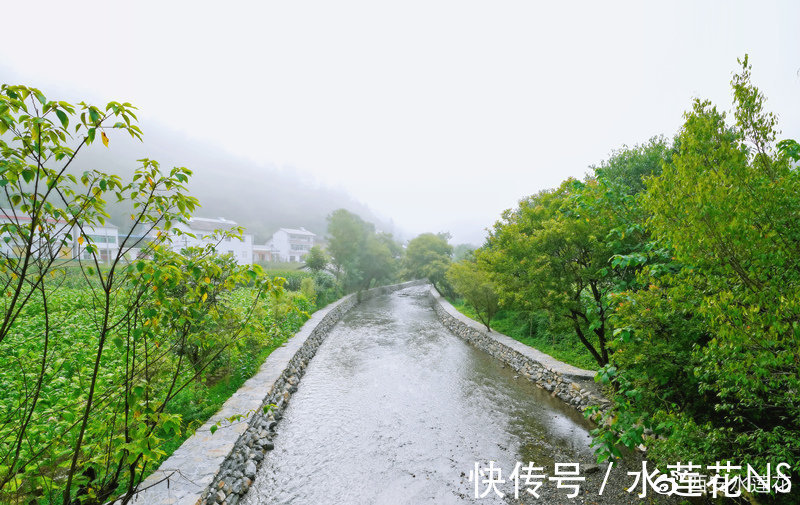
x=394 y=409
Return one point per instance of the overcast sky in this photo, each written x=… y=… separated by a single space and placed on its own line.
x=436 y=114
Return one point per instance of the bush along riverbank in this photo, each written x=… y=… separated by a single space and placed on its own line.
x=673 y=266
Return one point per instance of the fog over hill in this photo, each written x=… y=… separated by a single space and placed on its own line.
x=260 y=197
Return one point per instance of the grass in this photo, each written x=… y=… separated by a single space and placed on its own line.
x=197 y=405
x=281 y=265
x=566 y=348
x=71 y=347
x=196 y=411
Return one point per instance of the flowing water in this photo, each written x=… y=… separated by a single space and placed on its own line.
x=395 y=409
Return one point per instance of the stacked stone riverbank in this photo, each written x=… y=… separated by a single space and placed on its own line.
x=571 y=384
x=218 y=464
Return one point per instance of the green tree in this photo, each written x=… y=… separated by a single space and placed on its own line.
x=348 y=236
x=708 y=354
x=378 y=260
x=317 y=259
x=428 y=256
x=477 y=288
x=627 y=170
x=566 y=252
x=360 y=255
x=463 y=252
x=550 y=254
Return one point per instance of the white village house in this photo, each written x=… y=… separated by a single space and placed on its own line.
x=52 y=244
x=203 y=229
x=53 y=239
x=263 y=254
x=104 y=237
x=290 y=245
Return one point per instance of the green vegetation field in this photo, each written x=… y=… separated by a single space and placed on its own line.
x=71 y=332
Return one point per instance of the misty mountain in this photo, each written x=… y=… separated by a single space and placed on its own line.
x=260 y=197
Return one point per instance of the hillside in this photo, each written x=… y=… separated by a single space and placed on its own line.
x=262 y=198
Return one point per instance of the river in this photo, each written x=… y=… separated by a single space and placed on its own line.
x=394 y=409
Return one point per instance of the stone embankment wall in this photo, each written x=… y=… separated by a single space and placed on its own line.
x=219 y=468
x=573 y=385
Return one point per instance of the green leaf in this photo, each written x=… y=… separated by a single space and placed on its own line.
x=62 y=116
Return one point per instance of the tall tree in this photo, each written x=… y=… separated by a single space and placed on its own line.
x=728 y=206
x=566 y=252
x=378 y=259
x=477 y=288
x=707 y=353
x=549 y=254
x=317 y=259
x=428 y=256
x=360 y=255
x=348 y=236
x=626 y=171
